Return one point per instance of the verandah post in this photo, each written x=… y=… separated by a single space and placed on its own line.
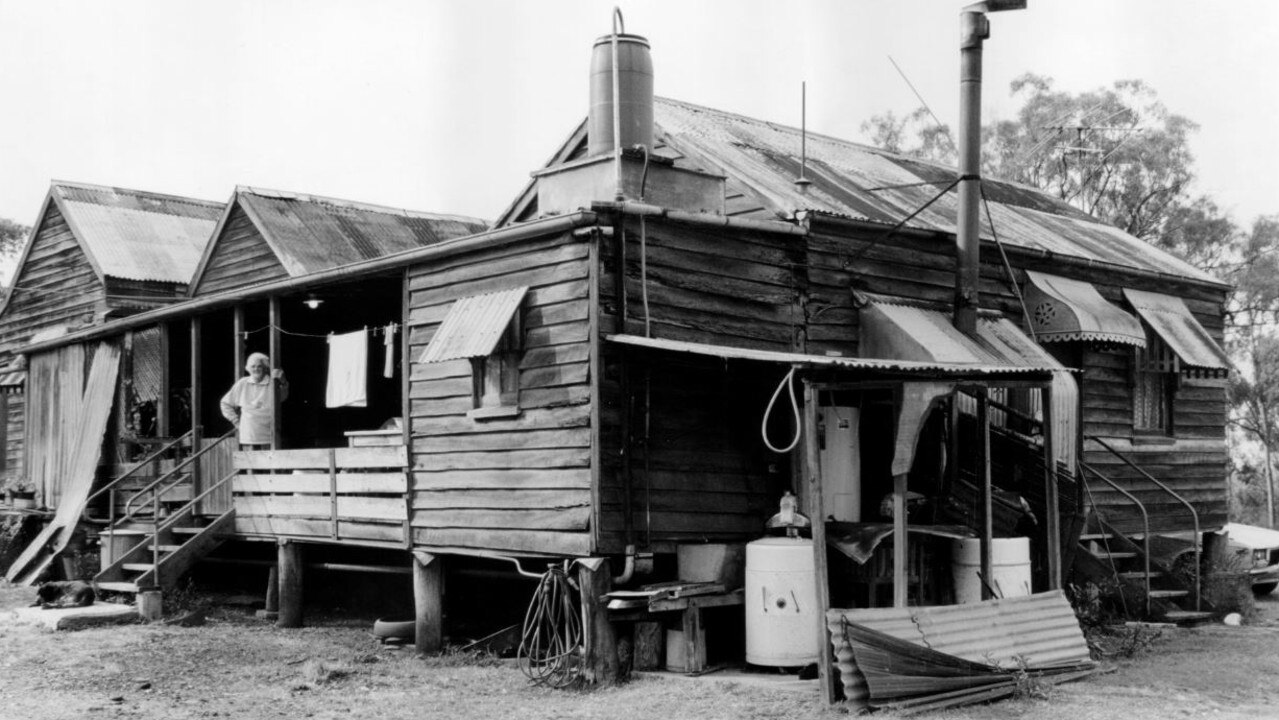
x=428 y=602
x=290 y=564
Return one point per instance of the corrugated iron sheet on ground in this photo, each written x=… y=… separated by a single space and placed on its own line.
x=310 y=233
x=474 y=326
x=927 y=657
x=762 y=159
x=135 y=235
x=1040 y=630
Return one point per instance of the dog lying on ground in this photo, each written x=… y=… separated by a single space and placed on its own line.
x=64 y=594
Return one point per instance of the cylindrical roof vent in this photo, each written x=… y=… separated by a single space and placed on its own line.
x=634 y=91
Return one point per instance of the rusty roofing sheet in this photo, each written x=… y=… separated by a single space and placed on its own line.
x=310 y=233
x=885 y=365
x=1171 y=319
x=135 y=235
x=1039 y=629
x=901 y=331
x=474 y=326
x=1065 y=309
x=763 y=159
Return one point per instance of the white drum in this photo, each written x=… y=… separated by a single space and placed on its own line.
x=1009 y=568
x=781 y=602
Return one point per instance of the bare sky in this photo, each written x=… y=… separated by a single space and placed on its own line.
x=447 y=105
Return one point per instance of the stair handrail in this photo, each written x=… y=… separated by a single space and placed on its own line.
x=1194 y=514
x=141 y=464
x=191 y=503
x=1145 y=521
x=128 y=506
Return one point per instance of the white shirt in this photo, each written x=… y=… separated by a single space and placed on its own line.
x=249 y=404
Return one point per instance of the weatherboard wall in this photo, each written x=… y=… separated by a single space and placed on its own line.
x=240 y=258
x=55 y=286
x=680 y=447
x=515 y=485
x=1192 y=461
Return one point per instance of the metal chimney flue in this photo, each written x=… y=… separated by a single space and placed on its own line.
x=633 y=108
x=974 y=29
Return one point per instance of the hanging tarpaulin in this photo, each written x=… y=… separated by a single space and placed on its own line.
x=916 y=401
x=79 y=443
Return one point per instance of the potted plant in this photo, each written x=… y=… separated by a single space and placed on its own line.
x=22 y=494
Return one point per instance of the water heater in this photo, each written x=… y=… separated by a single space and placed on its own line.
x=841 y=461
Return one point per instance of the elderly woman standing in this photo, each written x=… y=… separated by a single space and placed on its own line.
x=248 y=403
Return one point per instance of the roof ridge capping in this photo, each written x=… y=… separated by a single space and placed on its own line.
x=60 y=184
x=356 y=205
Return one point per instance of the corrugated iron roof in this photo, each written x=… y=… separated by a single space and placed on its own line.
x=886 y=365
x=763 y=159
x=1171 y=319
x=1039 y=629
x=310 y=233
x=474 y=326
x=1065 y=309
x=136 y=235
x=906 y=331
x=13 y=378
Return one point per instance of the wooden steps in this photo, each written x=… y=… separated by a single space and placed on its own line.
x=179 y=541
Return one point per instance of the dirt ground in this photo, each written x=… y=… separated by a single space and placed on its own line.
x=235 y=666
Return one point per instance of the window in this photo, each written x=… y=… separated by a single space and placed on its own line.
x=1155 y=374
x=487 y=330
x=495 y=379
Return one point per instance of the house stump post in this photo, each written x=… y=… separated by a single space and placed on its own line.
x=599 y=659
x=290 y=598
x=428 y=602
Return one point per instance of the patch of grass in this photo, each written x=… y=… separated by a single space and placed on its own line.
x=456 y=657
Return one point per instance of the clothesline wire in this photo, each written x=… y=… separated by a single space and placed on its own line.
x=375 y=330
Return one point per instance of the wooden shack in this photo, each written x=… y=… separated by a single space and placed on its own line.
x=95 y=254
x=603 y=378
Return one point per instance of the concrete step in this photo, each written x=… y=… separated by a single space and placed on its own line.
x=119 y=586
x=1188 y=618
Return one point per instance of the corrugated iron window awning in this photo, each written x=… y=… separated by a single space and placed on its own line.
x=909 y=332
x=1062 y=310
x=1192 y=350
x=12 y=381
x=474 y=326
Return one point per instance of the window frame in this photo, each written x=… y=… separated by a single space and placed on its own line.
x=495 y=378
x=1156 y=375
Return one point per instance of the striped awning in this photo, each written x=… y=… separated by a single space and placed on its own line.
x=1193 y=349
x=474 y=326
x=1062 y=310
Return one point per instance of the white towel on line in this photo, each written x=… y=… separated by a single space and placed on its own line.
x=348 y=370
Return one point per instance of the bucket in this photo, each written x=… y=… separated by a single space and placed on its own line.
x=150 y=604
x=1009 y=568
x=713 y=563
x=677 y=652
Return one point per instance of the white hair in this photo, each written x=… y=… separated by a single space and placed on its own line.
x=255 y=357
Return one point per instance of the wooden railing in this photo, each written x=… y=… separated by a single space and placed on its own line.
x=353 y=495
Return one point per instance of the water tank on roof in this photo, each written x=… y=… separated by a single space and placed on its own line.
x=634 y=93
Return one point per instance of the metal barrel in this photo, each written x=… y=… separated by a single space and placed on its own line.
x=635 y=93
